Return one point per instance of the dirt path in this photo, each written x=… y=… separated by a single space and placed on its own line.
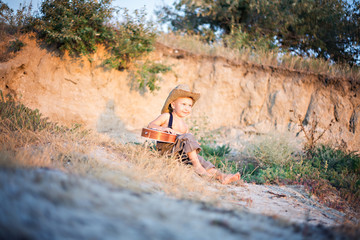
x=287 y=202
x=48 y=204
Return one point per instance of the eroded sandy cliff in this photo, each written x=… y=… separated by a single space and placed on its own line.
x=234 y=95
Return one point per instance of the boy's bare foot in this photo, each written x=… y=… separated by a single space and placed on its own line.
x=229 y=178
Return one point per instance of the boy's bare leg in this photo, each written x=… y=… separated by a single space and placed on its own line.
x=222 y=177
x=199 y=169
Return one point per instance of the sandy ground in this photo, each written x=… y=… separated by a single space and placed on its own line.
x=49 y=204
x=287 y=202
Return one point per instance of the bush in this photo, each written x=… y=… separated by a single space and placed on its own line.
x=238 y=39
x=273 y=149
x=12 y=22
x=340 y=168
x=76 y=25
x=146 y=75
x=335 y=159
x=217 y=156
x=15 y=46
x=79 y=26
x=132 y=38
x=16 y=116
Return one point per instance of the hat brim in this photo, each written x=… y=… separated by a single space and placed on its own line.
x=178 y=93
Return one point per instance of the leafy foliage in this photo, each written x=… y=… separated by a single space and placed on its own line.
x=238 y=39
x=132 y=38
x=79 y=26
x=341 y=168
x=218 y=151
x=17 y=116
x=217 y=155
x=10 y=21
x=15 y=46
x=76 y=25
x=192 y=16
x=146 y=75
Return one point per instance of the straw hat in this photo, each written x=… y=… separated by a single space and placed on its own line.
x=179 y=91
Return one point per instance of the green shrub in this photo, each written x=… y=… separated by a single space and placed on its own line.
x=335 y=159
x=132 y=38
x=217 y=156
x=294 y=171
x=218 y=151
x=15 y=46
x=211 y=151
x=146 y=75
x=78 y=26
x=238 y=39
x=17 y=116
x=340 y=168
x=272 y=149
x=75 y=25
x=12 y=22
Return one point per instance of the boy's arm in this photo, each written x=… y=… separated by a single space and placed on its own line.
x=161 y=121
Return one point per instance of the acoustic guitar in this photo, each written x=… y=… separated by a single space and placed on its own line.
x=158 y=135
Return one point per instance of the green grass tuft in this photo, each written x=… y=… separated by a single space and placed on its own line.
x=17 y=116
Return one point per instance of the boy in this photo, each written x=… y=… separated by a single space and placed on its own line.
x=178 y=105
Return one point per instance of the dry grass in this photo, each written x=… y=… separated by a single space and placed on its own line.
x=130 y=166
x=193 y=44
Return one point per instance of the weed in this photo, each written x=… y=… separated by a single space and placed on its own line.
x=131 y=39
x=147 y=75
x=80 y=26
x=340 y=168
x=17 y=116
x=272 y=149
x=312 y=135
x=218 y=151
x=217 y=156
x=15 y=46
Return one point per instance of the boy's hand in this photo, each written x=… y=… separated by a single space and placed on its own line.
x=169 y=130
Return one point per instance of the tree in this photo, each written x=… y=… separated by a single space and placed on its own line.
x=10 y=21
x=326 y=29
x=205 y=17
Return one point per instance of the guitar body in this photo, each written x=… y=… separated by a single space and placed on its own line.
x=158 y=135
